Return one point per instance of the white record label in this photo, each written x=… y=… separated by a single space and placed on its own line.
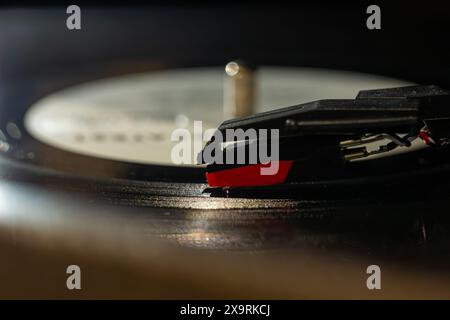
x=131 y=118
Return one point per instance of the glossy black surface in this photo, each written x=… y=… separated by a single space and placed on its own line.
x=403 y=215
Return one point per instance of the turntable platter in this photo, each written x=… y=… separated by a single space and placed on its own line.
x=86 y=175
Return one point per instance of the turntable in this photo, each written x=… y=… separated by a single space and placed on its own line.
x=88 y=176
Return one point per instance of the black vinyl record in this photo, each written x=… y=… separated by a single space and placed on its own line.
x=401 y=209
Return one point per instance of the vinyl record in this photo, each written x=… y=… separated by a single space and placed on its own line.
x=87 y=126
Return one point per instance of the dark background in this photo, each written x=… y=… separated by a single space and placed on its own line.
x=412 y=44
